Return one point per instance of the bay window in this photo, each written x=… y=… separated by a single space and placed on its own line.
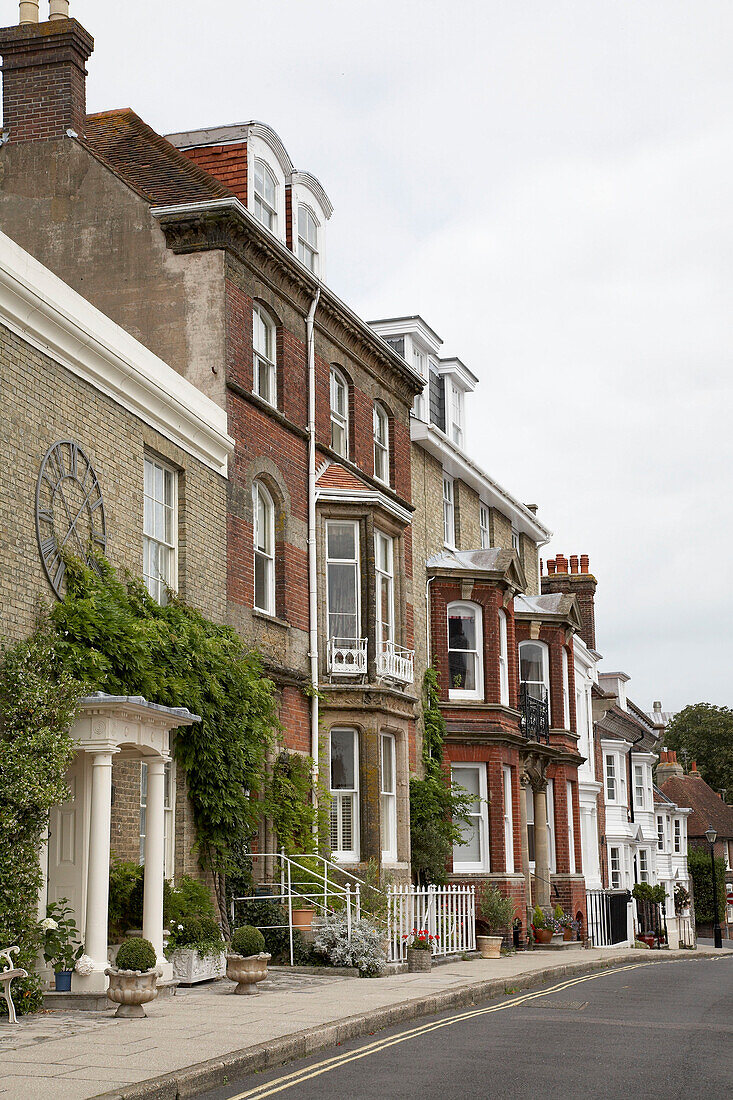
x=465 y=651
x=160 y=529
x=643 y=865
x=339 y=413
x=388 y=799
x=611 y=785
x=660 y=833
x=343 y=580
x=503 y=661
x=534 y=670
x=264 y=549
x=381 y=443
x=472 y=852
x=344 y=783
x=449 y=527
x=677 y=835
x=384 y=567
x=614 y=864
x=639 y=786
x=506 y=773
x=264 y=344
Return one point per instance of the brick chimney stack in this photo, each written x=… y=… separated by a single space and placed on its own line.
x=573 y=578
x=668 y=766
x=44 y=78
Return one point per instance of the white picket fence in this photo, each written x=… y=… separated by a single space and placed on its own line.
x=447 y=912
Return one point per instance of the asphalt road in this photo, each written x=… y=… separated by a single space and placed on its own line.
x=646 y=1031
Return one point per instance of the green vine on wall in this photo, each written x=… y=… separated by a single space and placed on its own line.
x=300 y=826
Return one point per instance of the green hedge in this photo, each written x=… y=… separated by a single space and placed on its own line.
x=698 y=862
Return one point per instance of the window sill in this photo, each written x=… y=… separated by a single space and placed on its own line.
x=266 y=617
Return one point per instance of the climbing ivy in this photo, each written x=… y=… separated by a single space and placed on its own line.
x=437 y=807
x=37 y=705
x=299 y=825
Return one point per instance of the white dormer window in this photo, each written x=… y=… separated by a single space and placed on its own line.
x=307 y=238
x=381 y=443
x=265 y=200
x=455 y=412
x=418 y=365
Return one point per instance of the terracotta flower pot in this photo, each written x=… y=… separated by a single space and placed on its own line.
x=303 y=918
x=246 y=971
x=131 y=989
x=419 y=959
x=489 y=946
x=567 y=934
x=543 y=935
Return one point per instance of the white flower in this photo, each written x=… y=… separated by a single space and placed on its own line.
x=180 y=927
x=84 y=966
x=48 y=924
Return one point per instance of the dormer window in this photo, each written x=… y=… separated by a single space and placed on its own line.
x=339 y=413
x=381 y=443
x=265 y=199
x=307 y=238
x=455 y=414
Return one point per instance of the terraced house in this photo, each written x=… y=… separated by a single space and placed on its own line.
x=209 y=247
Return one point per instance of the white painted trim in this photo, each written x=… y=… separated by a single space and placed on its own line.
x=370 y=497
x=49 y=315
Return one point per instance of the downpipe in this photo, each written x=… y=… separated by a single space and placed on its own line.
x=312 y=560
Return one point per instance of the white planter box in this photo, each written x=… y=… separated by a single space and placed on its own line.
x=189 y=967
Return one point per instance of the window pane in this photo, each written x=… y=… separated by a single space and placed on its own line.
x=469 y=779
x=531 y=663
x=342 y=541
x=462 y=631
x=343 y=771
x=469 y=851
x=388 y=784
x=342 y=600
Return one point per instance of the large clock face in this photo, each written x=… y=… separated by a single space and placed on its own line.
x=69 y=510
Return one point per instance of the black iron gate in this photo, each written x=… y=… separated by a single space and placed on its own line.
x=607 y=920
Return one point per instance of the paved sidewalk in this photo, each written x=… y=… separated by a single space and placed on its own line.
x=195 y=1039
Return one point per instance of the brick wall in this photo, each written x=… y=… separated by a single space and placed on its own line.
x=227 y=162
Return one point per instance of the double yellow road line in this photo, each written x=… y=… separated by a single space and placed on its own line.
x=270 y=1088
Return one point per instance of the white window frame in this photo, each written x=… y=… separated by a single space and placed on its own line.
x=571 y=826
x=339 y=417
x=475 y=610
x=565 y=689
x=529 y=809
x=341 y=795
x=480 y=815
x=503 y=660
x=660 y=833
x=263 y=210
x=384 y=573
x=551 y=840
x=483 y=522
x=167 y=549
x=355 y=561
x=639 y=786
x=388 y=800
x=506 y=775
x=449 y=512
x=419 y=365
x=615 y=874
x=516 y=544
x=265 y=358
x=455 y=412
x=169 y=816
x=644 y=865
x=380 y=421
x=263 y=556
x=611 y=781
x=308 y=250
x=545 y=682
x=677 y=833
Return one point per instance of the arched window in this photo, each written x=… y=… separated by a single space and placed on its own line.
x=381 y=443
x=307 y=237
x=264 y=548
x=534 y=670
x=503 y=661
x=264 y=350
x=265 y=196
x=339 y=413
x=465 y=651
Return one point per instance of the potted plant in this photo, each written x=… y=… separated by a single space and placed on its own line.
x=495 y=913
x=681 y=898
x=61 y=948
x=419 y=944
x=543 y=926
x=565 y=922
x=308 y=888
x=196 y=950
x=247 y=959
x=133 y=980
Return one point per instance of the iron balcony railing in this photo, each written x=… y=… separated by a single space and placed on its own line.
x=535 y=714
x=347 y=656
x=394 y=662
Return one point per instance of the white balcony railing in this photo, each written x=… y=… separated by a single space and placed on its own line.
x=347 y=656
x=396 y=663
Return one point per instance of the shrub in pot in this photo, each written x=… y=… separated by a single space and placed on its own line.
x=196 y=949
x=419 y=944
x=61 y=949
x=543 y=926
x=133 y=980
x=495 y=914
x=247 y=960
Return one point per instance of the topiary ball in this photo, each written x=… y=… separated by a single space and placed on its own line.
x=247 y=941
x=136 y=954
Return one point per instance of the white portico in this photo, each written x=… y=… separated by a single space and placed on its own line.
x=79 y=830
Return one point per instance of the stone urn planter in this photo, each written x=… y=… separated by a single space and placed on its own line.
x=131 y=989
x=543 y=935
x=419 y=960
x=247 y=971
x=489 y=946
x=190 y=966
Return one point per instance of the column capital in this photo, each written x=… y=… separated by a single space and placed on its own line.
x=156 y=764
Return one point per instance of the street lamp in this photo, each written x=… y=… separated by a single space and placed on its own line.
x=711 y=836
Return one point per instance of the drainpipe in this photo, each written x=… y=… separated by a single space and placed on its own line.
x=312 y=563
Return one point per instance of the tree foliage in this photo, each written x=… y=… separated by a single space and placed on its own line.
x=437 y=807
x=701 y=872
x=38 y=701
x=706 y=733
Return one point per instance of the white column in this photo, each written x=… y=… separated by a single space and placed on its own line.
x=100 y=812
x=155 y=859
x=541 y=848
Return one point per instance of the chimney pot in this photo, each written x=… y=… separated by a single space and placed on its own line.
x=550 y=567
x=584 y=563
x=59 y=9
x=573 y=563
x=28 y=12
x=561 y=563
x=693 y=766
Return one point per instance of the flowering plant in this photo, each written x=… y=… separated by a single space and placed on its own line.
x=420 y=940
x=60 y=945
x=541 y=920
x=364 y=949
x=84 y=965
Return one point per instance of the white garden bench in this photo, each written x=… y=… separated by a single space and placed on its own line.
x=7 y=974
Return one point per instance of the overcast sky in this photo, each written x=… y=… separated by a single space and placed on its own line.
x=549 y=185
